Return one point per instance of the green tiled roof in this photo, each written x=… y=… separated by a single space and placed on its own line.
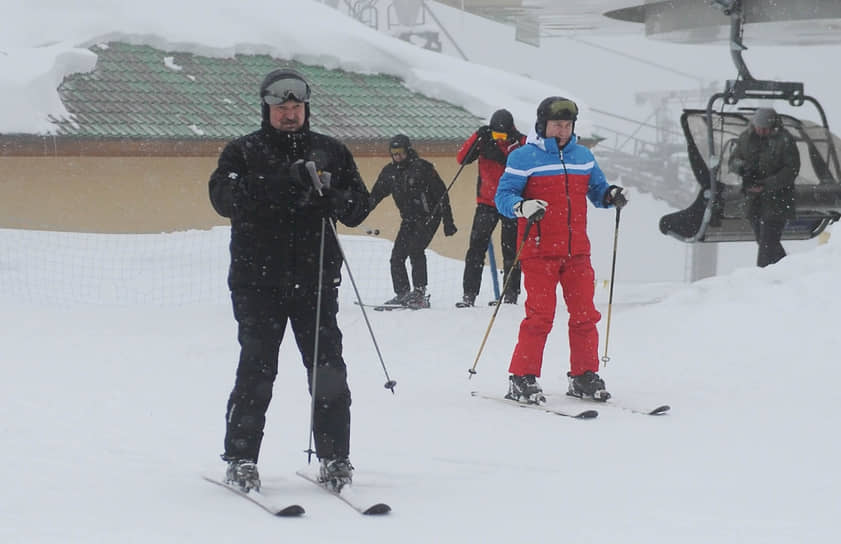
x=142 y=92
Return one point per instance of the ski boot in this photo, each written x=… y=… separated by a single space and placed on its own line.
x=587 y=386
x=525 y=389
x=335 y=473
x=401 y=299
x=467 y=301
x=418 y=299
x=242 y=473
x=508 y=298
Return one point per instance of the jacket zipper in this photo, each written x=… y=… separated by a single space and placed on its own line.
x=569 y=202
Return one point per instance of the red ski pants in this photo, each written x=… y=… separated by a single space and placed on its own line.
x=541 y=276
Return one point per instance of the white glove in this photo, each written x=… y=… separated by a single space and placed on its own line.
x=530 y=209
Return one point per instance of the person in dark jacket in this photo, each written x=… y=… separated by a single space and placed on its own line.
x=277 y=234
x=546 y=184
x=421 y=197
x=767 y=159
x=491 y=144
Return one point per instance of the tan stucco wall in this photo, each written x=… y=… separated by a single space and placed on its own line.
x=165 y=194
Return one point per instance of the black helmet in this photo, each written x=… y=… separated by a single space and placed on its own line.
x=399 y=141
x=554 y=108
x=502 y=121
x=281 y=85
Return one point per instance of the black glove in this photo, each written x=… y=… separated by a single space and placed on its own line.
x=450 y=229
x=492 y=152
x=252 y=189
x=299 y=178
x=250 y=186
x=287 y=185
x=336 y=200
x=482 y=135
x=737 y=166
x=487 y=145
x=615 y=197
x=247 y=192
x=305 y=189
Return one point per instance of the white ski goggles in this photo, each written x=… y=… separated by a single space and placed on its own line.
x=290 y=88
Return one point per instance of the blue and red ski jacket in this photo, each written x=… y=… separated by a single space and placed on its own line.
x=563 y=178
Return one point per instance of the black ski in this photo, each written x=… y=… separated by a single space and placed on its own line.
x=383 y=307
x=586 y=414
x=261 y=500
x=389 y=307
x=657 y=411
x=350 y=497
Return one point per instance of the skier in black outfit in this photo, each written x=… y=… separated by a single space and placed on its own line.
x=766 y=157
x=421 y=196
x=277 y=219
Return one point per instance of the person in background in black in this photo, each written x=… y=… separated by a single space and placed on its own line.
x=491 y=144
x=421 y=197
x=766 y=158
x=277 y=220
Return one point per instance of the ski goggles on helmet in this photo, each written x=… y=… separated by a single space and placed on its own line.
x=563 y=109
x=290 y=88
x=398 y=151
x=499 y=135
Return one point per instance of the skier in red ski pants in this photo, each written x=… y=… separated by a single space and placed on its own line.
x=577 y=279
x=546 y=185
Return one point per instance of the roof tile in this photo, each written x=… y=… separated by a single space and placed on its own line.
x=133 y=93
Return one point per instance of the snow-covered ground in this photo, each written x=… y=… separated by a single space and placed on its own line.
x=111 y=411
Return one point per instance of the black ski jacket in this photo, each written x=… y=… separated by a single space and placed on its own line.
x=416 y=187
x=772 y=162
x=276 y=218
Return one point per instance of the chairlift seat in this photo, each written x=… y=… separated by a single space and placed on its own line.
x=817 y=193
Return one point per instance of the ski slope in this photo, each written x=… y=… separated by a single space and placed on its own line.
x=110 y=413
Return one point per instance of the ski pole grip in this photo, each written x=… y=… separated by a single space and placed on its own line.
x=537 y=216
x=313 y=172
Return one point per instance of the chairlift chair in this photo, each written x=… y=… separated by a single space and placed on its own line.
x=718 y=213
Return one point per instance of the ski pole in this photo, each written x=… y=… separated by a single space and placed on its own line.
x=389 y=384
x=450 y=186
x=536 y=217
x=605 y=358
x=445 y=195
x=310 y=451
x=492 y=262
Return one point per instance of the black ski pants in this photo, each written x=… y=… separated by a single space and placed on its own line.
x=411 y=241
x=262 y=314
x=768 y=233
x=484 y=222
